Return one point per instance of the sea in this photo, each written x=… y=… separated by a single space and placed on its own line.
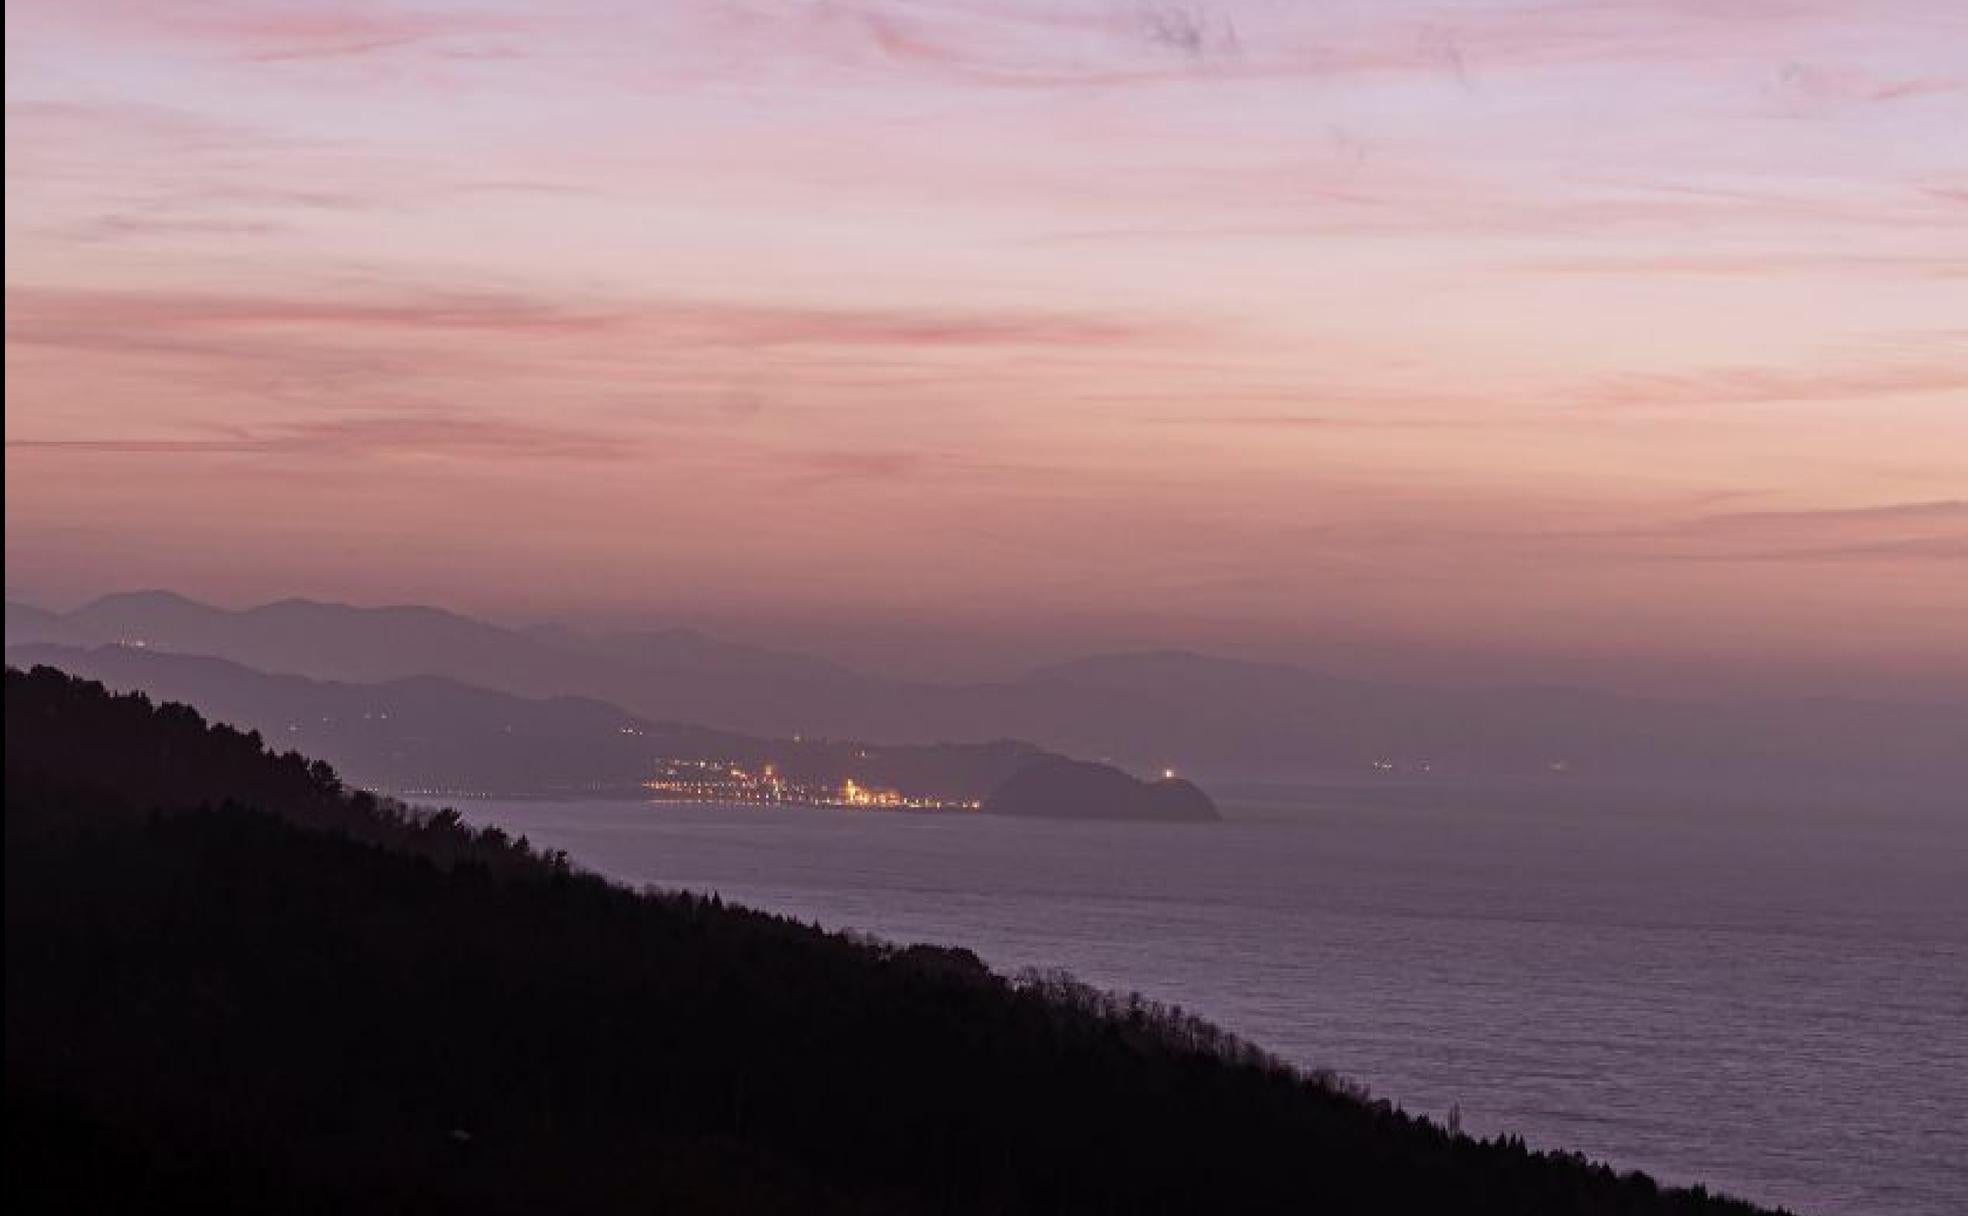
x=1765 y=998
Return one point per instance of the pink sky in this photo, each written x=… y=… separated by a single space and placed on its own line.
x=1552 y=332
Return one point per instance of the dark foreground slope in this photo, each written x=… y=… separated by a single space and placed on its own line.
x=304 y=1000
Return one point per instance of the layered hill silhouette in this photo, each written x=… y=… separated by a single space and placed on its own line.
x=428 y=733
x=235 y=986
x=423 y=732
x=1147 y=711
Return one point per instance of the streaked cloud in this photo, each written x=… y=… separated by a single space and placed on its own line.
x=267 y=31
x=1739 y=265
x=1893 y=532
x=1943 y=511
x=107 y=319
x=427 y=435
x=1895 y=375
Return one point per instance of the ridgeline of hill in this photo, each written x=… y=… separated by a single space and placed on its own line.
x=1145 y=711
x=235 y=986
x=432 y=733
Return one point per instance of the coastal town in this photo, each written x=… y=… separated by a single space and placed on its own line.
x=722 y=781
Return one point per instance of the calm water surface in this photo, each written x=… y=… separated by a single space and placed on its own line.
x=1773 y=1002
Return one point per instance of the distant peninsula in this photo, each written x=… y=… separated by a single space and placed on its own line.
x=1059 y=788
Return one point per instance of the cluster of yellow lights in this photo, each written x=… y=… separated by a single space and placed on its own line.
x=721 y=781
x=855 y=794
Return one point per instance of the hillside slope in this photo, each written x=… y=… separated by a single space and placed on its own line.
x=231 y=985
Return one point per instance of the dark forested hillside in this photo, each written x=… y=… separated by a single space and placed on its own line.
x=234 y=986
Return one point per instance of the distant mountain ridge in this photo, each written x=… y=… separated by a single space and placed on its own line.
x=435 y=735
x=1217 y=717
x=678 y=675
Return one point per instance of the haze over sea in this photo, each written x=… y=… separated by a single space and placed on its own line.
x=1769 y=1000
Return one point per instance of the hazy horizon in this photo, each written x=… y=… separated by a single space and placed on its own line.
x=356 y=686
x=933 y=656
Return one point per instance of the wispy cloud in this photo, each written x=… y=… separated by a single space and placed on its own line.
x=1050 y=44
x=408 y=357
x=54 y=315
x=426 y=435
x=1442 y=202
x=1946 y=510
x=1533 y=535
x=1909 y=531
x=270 y=32
x=1367 y=420
x=826 y=467
x=1816 y=86
x=1933 y=368
x=113 y=319
x=1019 y=44
x=117 y=227
x=1889 y=376
x=1741 y=265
